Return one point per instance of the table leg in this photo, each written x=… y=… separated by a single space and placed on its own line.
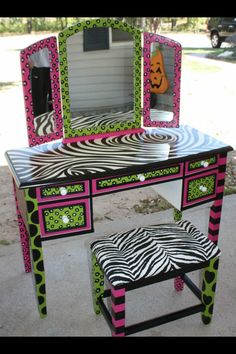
x=178 y=281
x=24 y=237
x=36 y=248
x=208 y=289
x=216 y=208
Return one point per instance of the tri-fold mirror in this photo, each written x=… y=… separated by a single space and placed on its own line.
x=41 y=88
x=113 y=79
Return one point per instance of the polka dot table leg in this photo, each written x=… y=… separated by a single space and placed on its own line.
x=36 y=248
x=215 y=211
x=208 y=289
x=178 y=281
x=97 y=284
x=118 y=311
x=24 y=237
x=177 y=215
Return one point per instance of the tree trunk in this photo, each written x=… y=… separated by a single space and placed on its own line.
x=29 y=25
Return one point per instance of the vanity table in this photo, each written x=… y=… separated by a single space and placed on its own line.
x=113 y=140
x=56 y=182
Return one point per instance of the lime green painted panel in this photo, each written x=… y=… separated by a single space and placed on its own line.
x=64 y=218
x=117 y=181
x=56 y=191
x=62 y=37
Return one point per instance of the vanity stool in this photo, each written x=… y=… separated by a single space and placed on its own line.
x=147 y=255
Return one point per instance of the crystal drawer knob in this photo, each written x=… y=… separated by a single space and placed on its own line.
x=63 y=191
x=65 y=219
x=141 y=177
x=204 y=163
x=203 y=189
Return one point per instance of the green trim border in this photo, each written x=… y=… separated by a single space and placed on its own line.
x=62 y=39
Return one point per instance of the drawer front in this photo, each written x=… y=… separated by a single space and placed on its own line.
x=200 y=188
x=65 y=218
x=109 y=184
x=65 y=191
x=201 y=165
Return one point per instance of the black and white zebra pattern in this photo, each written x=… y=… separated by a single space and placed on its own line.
x=57 y=162
x=44 y=124
x=148 y=251
x=102 y=119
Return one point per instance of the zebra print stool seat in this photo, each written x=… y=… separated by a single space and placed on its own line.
x=148 y=255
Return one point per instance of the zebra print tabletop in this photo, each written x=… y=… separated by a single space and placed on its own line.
x=56 y=162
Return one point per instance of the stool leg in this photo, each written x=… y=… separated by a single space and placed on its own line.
x=97 y=284
x=118 y=311
x=208 y=289
x=178 y=281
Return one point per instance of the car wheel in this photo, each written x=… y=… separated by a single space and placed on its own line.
x=215 y=40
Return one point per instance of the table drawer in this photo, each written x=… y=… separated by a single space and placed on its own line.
x=65 y=191
x=126 y=181
x=201 y=165
x=200 y=188
x=65 y=218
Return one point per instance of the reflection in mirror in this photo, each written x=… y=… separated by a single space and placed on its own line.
x=41 y=92
x=100 y=75
x=161 y=82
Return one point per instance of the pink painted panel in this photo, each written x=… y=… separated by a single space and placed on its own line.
x=199 y=200
x=67 y=196
x=44 y=233
x=95 y=190
x=148 y=39
x=51 y=44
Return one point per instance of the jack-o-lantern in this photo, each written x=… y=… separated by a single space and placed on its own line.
x=158 y=80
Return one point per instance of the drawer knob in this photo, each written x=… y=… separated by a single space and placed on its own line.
x=203 y=189
x=204 y=163
x=141 y=177
x=63 y=191
x=65 y=219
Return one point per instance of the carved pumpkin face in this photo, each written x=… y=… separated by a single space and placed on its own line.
x=158 y=80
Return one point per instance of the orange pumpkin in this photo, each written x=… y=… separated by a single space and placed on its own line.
x=158 y=80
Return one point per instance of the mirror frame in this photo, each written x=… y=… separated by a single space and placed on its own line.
x=51 y=44
x=150 y=38
x=115 y=129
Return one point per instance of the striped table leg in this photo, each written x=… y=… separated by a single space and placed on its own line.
x=24 y=237
x=178 y=281
x=215 y=211
x=118 y=311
